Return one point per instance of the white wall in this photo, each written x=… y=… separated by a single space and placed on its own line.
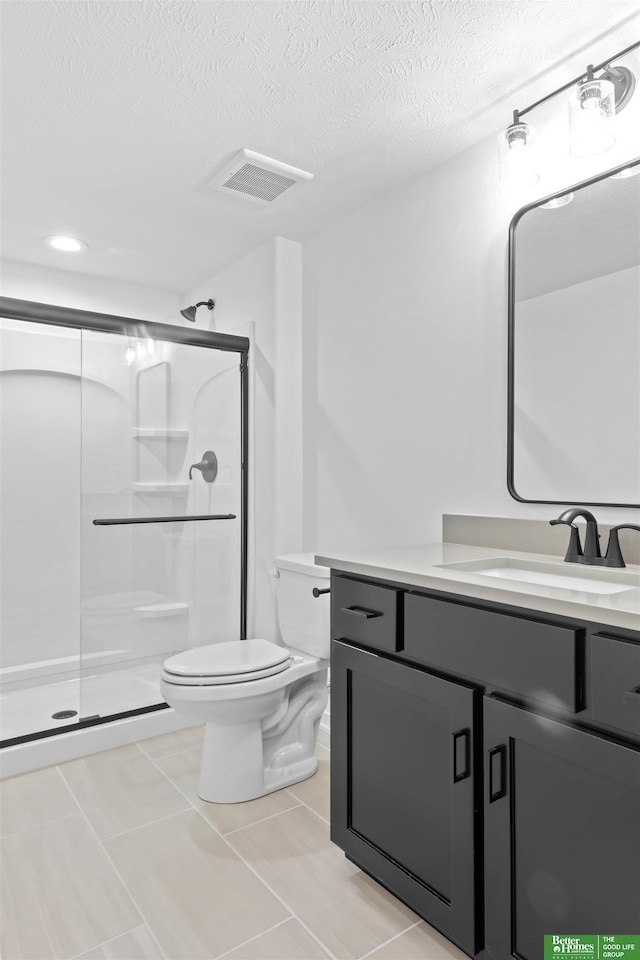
x=27 y=281
x=259 y=296
x=405 y=362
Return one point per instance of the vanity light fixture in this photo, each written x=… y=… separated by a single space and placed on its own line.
x=597 y=96
x=556 y=202
x=189 y=313
x=66 y=244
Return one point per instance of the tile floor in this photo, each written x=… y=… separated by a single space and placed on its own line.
x=114 y=857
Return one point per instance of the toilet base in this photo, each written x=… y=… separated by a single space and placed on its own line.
x=231 y=770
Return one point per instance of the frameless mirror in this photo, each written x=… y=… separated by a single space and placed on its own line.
x=574 y=345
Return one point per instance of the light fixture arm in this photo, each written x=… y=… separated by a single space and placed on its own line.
x=588 y=75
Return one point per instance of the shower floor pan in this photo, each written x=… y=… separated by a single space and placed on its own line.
x=28 y=711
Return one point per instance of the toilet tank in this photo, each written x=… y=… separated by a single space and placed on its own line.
x=304 y=619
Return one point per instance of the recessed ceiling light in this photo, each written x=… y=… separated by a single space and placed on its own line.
x=67 y=244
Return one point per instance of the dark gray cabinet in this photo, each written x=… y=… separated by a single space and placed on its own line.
x=562 y=832
x=403 y=784
x=486 y=764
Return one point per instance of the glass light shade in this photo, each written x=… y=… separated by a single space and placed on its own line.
x=592 y=108
x=557 y=202
x=518 y=155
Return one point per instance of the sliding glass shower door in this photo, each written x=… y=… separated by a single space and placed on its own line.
x=154 y=579
x=123 y=528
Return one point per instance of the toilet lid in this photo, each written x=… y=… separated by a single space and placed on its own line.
x=228 y=662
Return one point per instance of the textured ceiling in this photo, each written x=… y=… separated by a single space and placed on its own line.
x=115 y=113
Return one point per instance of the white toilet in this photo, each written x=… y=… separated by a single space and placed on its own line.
x=261 y=702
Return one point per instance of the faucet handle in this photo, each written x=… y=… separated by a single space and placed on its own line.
x=208 y=466
x=614 y=556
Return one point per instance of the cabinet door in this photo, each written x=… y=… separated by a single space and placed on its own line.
x=402 y=784
x=562 y=833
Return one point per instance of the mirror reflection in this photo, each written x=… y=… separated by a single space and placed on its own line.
x=575 y=341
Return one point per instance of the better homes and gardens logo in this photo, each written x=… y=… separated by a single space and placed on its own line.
x=598 y=947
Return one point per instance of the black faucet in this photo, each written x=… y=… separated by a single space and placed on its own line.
x=613 y=557
x=591 y=553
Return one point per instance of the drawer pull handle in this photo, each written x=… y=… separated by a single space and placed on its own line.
x=361 y=612
x=495 y=755
x=461 y=751
x=633 y=693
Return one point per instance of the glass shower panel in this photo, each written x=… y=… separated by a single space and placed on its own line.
x=40 y=453
x=154 y=580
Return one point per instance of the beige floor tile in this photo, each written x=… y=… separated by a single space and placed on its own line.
x=315 y=791
x=184 y=770
x=60 y=894
x=345 y=909
x=33 y=799
x=121 y=789
x=419 y=943
x=196 y=895
x=324 y=738
x=138 y=944
x=176 y=742
x=289 y=941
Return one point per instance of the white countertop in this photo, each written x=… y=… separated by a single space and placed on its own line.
x=418 y=566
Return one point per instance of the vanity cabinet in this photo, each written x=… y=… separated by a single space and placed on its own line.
x=404 y=783
x=562 y=832
x=486 y=764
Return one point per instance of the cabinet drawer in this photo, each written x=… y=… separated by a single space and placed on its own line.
x=615 y=682
x=539 y=661
x=365 y=612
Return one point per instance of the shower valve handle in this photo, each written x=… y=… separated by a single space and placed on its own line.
x=208 y=466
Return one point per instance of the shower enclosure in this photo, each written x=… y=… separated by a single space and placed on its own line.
x=123 y=510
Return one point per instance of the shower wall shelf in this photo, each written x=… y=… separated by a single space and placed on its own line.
x=160 y=489
x=170 y=609
x=151 y=433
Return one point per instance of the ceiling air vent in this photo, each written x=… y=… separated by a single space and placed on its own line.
x=257 y=178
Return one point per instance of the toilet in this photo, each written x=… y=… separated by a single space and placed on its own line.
x=261 y=701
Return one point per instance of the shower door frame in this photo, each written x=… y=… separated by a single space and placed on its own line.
x=48 y=313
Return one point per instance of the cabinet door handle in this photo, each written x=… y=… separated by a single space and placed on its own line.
x=461 y=750
x=361 y=612
x=633 y=693
x=498 y=754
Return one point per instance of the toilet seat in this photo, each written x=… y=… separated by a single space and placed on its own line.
x=236 y=661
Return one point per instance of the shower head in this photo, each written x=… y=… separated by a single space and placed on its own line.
x=189 y=313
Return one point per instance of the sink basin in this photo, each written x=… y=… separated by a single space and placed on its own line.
x=596 y=580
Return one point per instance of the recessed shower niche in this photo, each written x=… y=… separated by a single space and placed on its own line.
x=111 y=556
